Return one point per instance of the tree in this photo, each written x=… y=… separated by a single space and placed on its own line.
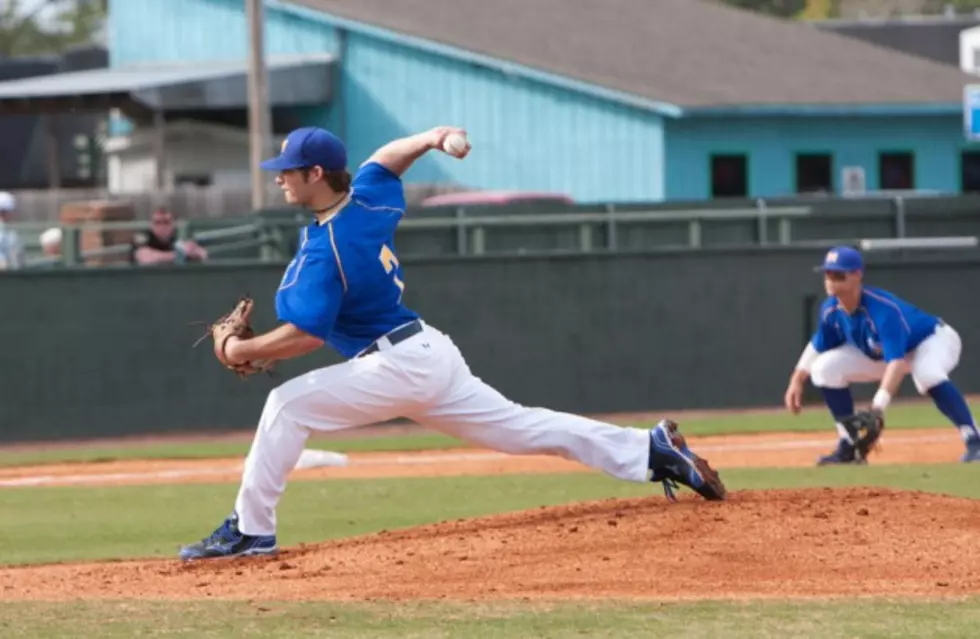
x=779 y=8
x=893 y=8
x=819 y=10
x=75 y=22
x=964 y=5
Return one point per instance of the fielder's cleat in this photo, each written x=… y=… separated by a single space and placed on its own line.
x=843 y=455
x=673 y=462
x=972 y=453
x=228 y=541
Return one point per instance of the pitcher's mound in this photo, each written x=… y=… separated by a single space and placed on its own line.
x=779 y=543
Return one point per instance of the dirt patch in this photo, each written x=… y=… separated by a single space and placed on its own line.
x=404 y=427
x=770 y=450
x=780 y=543
x=759 y=544
x=390 y=429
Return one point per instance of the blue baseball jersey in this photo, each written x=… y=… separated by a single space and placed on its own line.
x=884 y=326
x=345 y=283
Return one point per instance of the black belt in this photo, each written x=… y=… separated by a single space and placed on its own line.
x=400 y=334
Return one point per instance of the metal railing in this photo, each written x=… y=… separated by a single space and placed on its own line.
x=268 y=236
x=471 y=231
x=190 y=202
x=466 y=231
x=218 y=241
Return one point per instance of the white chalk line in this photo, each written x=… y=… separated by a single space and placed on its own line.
x=76 y=480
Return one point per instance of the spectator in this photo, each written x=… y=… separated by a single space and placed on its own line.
x=51 y=242
x=160 y=245
x=11 y=248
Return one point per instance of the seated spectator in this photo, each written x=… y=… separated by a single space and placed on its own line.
x=160 y=245
x=11 y=248
x=51 y=242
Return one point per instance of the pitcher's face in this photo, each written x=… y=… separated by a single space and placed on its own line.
x=299 y=186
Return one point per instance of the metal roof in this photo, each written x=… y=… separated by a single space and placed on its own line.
x=937 y=40
x=293 y=80
x=693 y=54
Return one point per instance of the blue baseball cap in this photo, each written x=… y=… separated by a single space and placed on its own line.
x=842 y=259
x=309 y=146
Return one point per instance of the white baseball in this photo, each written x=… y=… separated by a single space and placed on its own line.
x=454 y=144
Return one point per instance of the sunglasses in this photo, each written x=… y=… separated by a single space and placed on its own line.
x=837 y=276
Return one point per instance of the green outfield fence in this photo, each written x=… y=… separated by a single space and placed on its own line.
x=107 y=352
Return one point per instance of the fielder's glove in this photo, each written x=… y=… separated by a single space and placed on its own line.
x=236 y=323
x=865 y=428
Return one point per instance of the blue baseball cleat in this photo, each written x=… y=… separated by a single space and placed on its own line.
x=972 y=453
x=228 y=541
x=673 y=462
x=844 y=454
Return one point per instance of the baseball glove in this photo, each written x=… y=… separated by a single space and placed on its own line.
x=865 y=428
x=236 y=323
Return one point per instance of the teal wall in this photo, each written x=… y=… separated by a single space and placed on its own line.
x=773 y=142
x=525 y=134
x=528 y=132
x=189 y=30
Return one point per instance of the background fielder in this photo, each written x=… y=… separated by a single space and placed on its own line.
x=867 y=334
x=344 y=287
x=11 y=246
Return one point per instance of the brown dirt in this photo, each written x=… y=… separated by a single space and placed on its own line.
x=769 y=450
x=402 y=427
x=759 y=544
x=389 y=429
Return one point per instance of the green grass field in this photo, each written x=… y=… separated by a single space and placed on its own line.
x=84 y=523
x=606 y=620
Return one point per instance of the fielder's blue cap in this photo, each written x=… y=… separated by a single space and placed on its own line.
x=842 y=259
x=307 y=147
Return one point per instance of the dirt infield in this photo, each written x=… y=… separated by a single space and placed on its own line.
x=759 y=544
x=770 y=450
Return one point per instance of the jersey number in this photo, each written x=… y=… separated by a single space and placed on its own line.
x=390 y=261
x=291 y=275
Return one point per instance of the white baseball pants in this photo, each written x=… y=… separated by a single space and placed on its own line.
x=930 y=363
x=424 y=378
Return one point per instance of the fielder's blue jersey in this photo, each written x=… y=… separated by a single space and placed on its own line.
x=883 y=327
x=345 y=284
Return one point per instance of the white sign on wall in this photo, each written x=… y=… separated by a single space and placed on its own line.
x=853 y=180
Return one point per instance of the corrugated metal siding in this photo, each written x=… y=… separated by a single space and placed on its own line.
x=168 y=30
x=525 y=135
x=772 y=145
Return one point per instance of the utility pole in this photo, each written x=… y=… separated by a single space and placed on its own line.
x=258 y=100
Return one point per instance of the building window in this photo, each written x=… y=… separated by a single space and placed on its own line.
x=970 y=171
x=896 y=171
x=729 y=176
x=814 y=173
